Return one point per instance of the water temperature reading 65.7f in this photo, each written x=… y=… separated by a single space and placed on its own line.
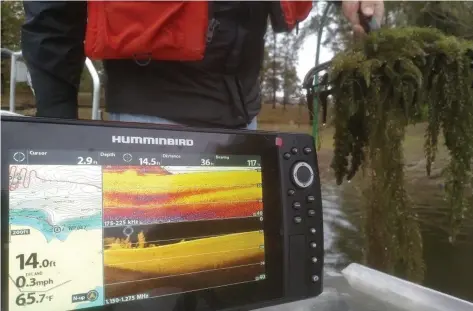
x=25 y=299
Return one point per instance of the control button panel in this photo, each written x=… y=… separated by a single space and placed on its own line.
x=302 y=175
x=303 y=208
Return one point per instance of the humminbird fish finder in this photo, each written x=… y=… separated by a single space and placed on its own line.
x=121 y=216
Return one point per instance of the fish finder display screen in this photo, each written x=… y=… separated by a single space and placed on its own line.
x=96 y=228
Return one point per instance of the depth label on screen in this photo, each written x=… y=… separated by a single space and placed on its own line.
x=55 y=214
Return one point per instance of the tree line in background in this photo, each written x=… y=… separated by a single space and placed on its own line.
x=279 y=80
x=279 y=70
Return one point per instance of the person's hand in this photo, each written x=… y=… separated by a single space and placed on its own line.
x=360 y=12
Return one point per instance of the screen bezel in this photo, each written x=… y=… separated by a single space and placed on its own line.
x=70 y=135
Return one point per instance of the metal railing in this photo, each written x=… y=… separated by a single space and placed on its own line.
x=16 y=56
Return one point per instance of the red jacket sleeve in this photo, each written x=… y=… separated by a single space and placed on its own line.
x=285 y=15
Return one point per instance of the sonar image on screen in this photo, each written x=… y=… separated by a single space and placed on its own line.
x=181 y=229
x=106 y=228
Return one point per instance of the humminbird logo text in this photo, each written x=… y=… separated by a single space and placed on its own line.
x=152 y=141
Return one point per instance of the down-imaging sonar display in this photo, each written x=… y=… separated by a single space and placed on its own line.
x=90 y=229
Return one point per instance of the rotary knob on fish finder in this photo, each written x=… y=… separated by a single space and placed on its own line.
x=302 y=174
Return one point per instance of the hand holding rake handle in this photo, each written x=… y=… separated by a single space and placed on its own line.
x=368 y=23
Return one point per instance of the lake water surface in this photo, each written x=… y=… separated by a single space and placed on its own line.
x=449 y=268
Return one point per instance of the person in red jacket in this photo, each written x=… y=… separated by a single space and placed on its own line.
x=203 y=64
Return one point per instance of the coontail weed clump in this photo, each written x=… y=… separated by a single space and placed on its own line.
x=394 y=78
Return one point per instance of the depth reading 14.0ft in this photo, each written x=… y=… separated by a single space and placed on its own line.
x=33 y=261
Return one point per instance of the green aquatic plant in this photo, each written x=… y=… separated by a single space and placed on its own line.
x=394 y=78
